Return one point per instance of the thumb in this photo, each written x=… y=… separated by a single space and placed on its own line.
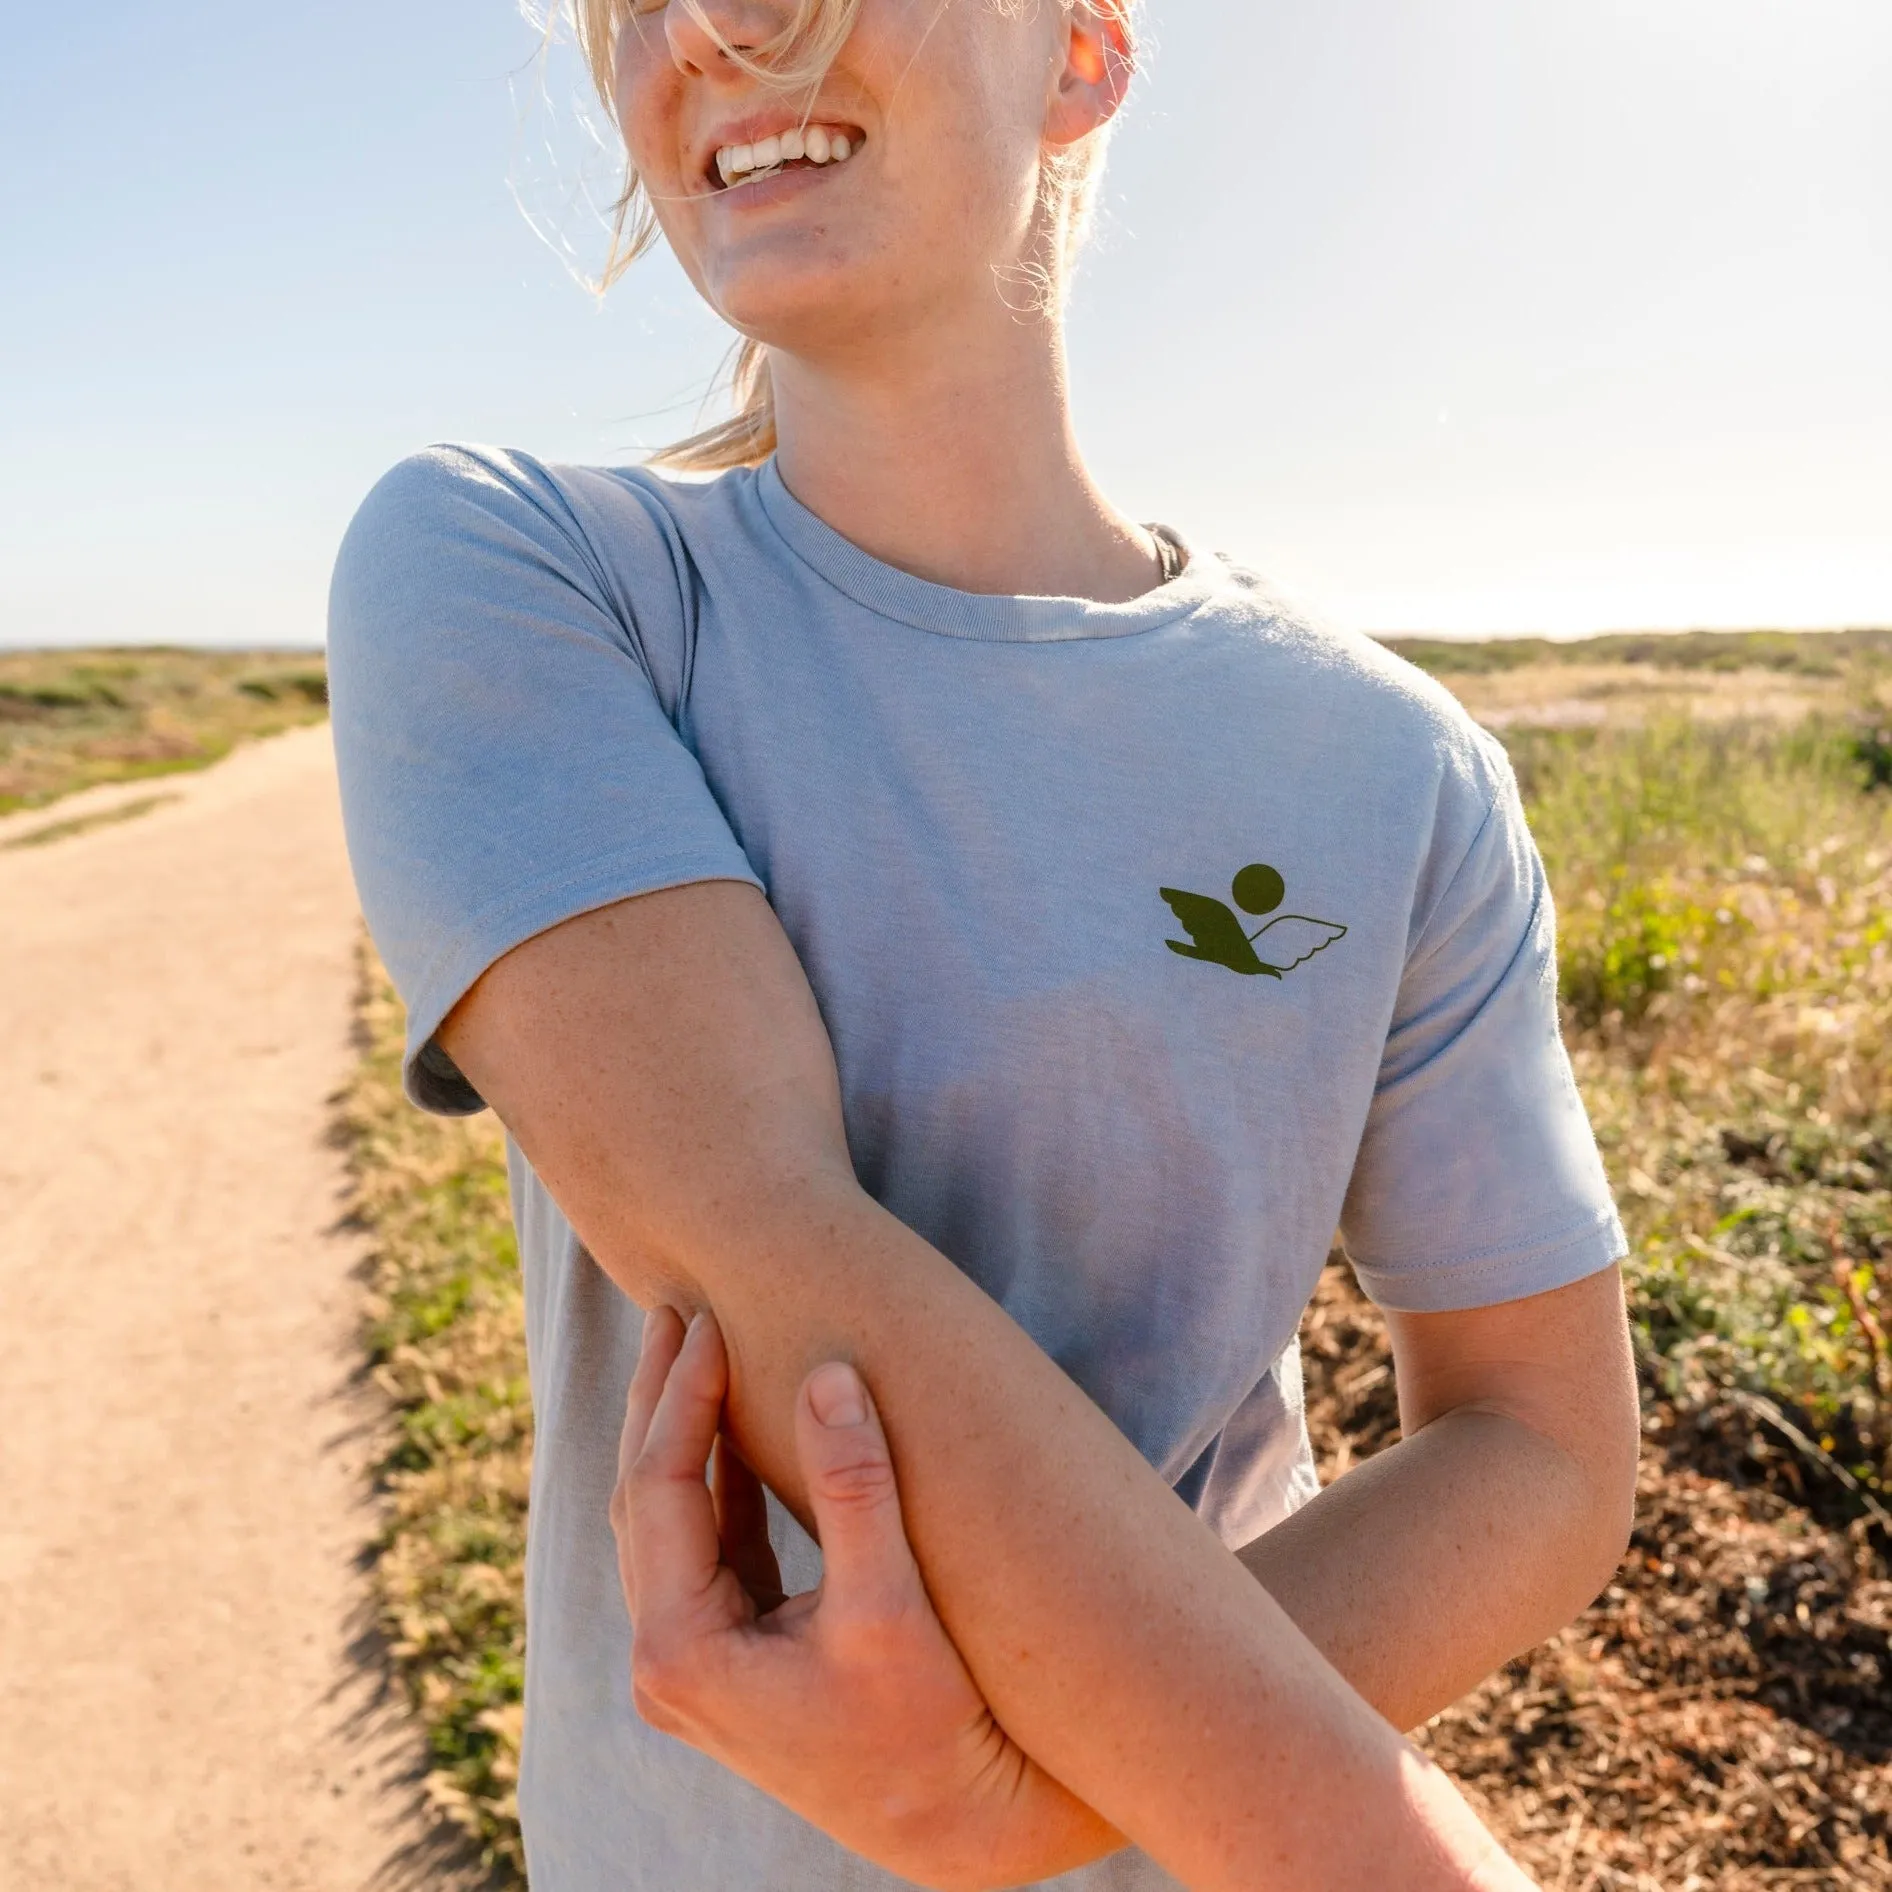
x=868 y=1567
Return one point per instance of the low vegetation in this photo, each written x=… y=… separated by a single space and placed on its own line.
x=73 y=719
x=446 y=1336
x=1831 y=654
x=49 y=832
x=1723 y=1716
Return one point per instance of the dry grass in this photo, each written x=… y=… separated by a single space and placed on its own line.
x=446 y=1335
x=1747 y=676
x=1720 y=1718
x=1696 y=654
x=1593 y=696
x=73 y=719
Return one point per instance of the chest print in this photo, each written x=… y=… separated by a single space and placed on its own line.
x=1216 y=935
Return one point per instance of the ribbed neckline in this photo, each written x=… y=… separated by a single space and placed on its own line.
x=895 y=594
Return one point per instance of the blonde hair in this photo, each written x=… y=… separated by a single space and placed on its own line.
x=798 y=59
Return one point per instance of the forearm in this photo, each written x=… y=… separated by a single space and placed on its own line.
x=663 y=1068
x=1429 y=1565
x=1116 y=1641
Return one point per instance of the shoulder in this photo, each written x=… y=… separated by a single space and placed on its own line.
x=1348 y=690
x=458 y=532
x=467 y=494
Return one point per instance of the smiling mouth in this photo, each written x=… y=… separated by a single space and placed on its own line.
x=799 y=148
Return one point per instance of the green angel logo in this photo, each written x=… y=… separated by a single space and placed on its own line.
x=1215 y=934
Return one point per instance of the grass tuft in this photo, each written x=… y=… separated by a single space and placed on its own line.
x=73 y=719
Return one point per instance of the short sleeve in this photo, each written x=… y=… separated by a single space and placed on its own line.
x=506 y=760
x=1478 y=1179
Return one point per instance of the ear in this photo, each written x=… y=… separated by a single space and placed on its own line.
x=1099 y=63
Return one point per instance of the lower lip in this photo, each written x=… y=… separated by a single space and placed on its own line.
x=784 y=186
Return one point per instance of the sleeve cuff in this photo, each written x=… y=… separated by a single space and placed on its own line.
x=429 y=1076
x=1486 y=1280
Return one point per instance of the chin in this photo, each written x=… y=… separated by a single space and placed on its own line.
x=800 y=304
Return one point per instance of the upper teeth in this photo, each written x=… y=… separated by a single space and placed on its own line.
x=819 y=144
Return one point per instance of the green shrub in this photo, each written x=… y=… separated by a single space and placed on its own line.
x=1725 y=960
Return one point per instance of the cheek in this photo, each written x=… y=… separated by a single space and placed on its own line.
x=964 y=144
x=646 y=98
x=972 y=210
x=648 y=103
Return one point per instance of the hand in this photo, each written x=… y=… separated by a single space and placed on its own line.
x=849 y=1704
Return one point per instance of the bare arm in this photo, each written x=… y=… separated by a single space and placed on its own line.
x=1499 y=1515
x=663 y=1066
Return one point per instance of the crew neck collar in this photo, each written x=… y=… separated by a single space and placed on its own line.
x=892 y=593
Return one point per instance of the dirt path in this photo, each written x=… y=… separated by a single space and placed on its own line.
x=184 y=1697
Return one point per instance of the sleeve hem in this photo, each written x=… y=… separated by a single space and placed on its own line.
x=428 y=1076
x=1488 y=1280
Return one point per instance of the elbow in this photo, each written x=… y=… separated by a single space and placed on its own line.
x=1599 y=1441
x=1617 y=1477
x=1581 y=1520
x=1617 y=1509
x=1604 y=1513
x=696 y=1254
x=1610 y=1528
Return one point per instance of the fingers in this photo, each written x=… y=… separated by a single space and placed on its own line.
x=668 y=1549
x=869 y=1571
x=663 y=1340
x=742 y=1522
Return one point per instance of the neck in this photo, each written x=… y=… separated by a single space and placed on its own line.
x=954 y=459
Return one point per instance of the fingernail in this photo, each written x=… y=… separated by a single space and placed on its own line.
x=837 y=1395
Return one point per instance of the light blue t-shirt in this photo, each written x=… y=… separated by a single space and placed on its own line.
x=1156 y=941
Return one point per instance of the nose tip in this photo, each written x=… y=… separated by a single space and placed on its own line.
x=703 y=33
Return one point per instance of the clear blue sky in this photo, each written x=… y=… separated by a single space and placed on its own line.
x=1450 y=314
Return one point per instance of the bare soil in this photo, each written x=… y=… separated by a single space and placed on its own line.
x=1721 y=1717
x=187 y=1693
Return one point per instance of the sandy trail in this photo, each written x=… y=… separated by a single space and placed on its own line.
x=184 y=1698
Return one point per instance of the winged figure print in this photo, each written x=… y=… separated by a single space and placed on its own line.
x=1216 y=935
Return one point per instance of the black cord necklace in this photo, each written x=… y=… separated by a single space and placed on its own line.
x=1171 y=554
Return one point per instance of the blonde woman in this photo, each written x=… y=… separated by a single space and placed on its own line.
x=963 y=952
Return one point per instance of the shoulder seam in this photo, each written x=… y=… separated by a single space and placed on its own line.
x=563 y=519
